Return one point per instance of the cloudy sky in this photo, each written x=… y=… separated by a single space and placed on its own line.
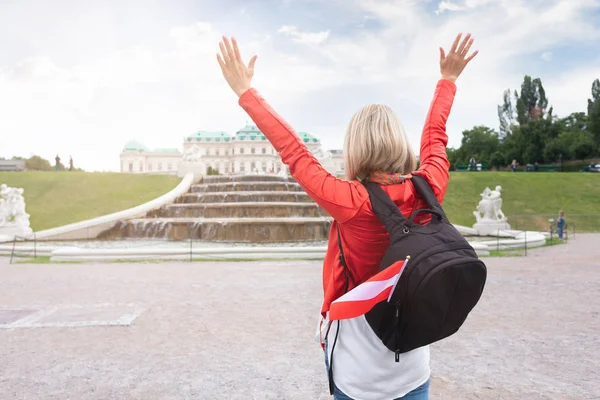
x=82 y=78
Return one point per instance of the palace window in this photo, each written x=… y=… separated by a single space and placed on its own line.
x=130 y=167
x=241 y=150
x=264 y=150
x=160 y=166
x=141 y=166
x=168 y=166
x=217 y=151
x=149 y=167
x=252 y=150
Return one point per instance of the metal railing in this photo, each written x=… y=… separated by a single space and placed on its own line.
x=14 y=253
x=580 y=223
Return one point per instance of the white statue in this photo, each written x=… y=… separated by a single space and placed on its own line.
x=14 y=221
x=489 y=213
x=283 y=171
x=192 y=162
x=192 y=155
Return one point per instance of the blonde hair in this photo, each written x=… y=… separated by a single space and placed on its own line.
x=376 y=142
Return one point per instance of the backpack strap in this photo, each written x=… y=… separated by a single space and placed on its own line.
x=424 y=191
x=384 y=208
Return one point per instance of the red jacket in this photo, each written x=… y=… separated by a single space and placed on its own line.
x=364 y=237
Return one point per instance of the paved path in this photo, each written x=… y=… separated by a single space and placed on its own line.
x=244 y=331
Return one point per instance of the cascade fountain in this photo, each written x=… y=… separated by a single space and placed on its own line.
x=252 y=209
x=250 y=216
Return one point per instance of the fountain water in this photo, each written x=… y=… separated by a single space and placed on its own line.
x=253 y=208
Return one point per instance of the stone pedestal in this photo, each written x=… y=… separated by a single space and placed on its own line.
x=198 y=169
x=490 y=228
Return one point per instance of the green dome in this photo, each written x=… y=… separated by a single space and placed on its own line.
x=307 y=137
x=134 y=145
x=249 y=132
x=203 y=136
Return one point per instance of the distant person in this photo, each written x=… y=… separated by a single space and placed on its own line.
x=560 y=224
x=513 y=165
x=376 y=149
x=70 y=163
x=57 y=162
x=472 y=163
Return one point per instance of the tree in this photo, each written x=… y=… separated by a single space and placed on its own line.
x=583 y=146
x=498 y=160
x=452 y=154
x=593 y=116
x=480 y=142
x=530 y=139
x=532 y=103
x=37 y=163
x=556 y=149
x=506 y=114
x=212 y=171
x=574 y=123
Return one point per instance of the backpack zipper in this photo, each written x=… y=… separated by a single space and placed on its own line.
x=397 y=353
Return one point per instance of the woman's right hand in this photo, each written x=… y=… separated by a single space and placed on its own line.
x=452 y=64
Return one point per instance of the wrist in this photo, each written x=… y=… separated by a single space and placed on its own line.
x=450 y=78
x=241 y=90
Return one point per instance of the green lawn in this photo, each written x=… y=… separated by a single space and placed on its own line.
x=54 y=199
x=530 y=194
x=59 y=198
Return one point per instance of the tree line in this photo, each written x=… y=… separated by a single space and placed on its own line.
x=530 y=133
x=37 y=163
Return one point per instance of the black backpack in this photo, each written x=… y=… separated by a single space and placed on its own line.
x=442 y=281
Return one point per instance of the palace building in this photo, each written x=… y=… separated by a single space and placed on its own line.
x=246 y=152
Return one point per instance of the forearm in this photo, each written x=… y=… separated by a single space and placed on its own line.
x=339 y=198
x=433 y=157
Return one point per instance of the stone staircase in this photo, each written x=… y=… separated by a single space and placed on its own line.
x=251 y=209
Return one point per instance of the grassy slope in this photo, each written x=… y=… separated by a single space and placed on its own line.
x=54 y=199
x=527 y=193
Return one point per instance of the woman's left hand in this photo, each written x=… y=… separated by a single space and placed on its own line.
x=237 y=75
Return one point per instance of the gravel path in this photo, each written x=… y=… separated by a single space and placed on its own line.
x=245 y=330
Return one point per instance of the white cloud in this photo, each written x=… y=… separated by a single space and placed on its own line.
x=159 y=93
x=460 y=6
x=304 y=37
x=448 y=6
x=547 y=56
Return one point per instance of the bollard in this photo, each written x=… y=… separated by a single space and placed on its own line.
x=498 y=240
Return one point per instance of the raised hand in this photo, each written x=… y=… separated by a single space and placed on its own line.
x=453 y=64
x=236 y=73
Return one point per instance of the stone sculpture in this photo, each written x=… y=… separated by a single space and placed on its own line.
x=283 y=172
x=192 y=155
x=192 y=162
x=14 y=221
x=488 y=214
